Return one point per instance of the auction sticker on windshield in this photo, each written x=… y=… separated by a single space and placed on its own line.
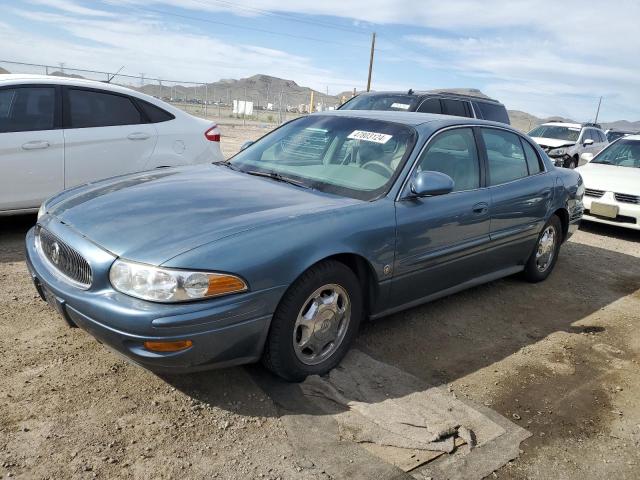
x=370 y=136
x=402 y=106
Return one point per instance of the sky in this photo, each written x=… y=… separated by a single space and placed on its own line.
x=545 y=57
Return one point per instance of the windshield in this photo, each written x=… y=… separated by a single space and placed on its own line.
x=611 y=136
x=623 y=153
x=354 y=157
x=397 y=102
x=570 y=134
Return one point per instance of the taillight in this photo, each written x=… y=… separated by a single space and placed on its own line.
x=213 y=134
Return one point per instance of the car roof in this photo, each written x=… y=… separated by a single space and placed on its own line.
x=634 y=137
x=412 y=118
x=563 y=124
x=19 y=79
x=439 y=93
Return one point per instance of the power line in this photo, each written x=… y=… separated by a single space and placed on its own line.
x=233 y=25
x=283 y=15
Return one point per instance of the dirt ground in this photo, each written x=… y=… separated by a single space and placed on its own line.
x=559 y=358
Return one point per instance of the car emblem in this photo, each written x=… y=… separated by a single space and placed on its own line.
x=55 y=253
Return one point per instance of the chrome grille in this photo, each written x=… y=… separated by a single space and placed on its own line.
x=625 y=198
x=64 y=259
x=592 y=192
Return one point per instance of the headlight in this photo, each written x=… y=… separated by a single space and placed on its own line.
x=42 y=210
x=159 y=284
x=557 y=152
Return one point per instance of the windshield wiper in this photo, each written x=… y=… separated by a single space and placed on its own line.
x=277 y=177
x=227 y=164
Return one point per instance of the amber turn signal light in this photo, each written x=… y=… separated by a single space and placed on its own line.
x=175 y=346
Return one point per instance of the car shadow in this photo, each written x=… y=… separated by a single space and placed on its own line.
x=610 y=231
x=447 y=339
x=12 y=232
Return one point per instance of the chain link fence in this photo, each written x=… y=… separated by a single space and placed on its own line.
x=208 y=100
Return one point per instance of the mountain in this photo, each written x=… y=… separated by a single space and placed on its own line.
x=525 y=121
x=3 y=71
x=261 y=89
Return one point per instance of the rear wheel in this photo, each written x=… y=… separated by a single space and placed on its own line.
x=315 y=323
x=545 y=254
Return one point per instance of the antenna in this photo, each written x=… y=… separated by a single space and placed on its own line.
x=598 y=111
x=114 y=75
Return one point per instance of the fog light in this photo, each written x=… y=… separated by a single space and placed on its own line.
x=168 y=346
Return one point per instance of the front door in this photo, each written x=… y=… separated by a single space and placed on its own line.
x=31 y=147
x=441 y=239
x=105 y=135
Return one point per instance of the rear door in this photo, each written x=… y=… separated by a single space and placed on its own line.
x=521 y=194
x=31 y=146
x=458 y=108
x=105 y=134
x=440 y=239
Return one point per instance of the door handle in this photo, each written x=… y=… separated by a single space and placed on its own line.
x=138 y=136
x=35 y=145
x=480 y=208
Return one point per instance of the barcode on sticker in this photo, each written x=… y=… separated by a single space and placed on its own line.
x=370 y=136
x=403 y=106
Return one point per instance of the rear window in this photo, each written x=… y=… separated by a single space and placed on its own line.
x=493 y=112
x=89 y=108
x=155 y=114
x=401 y=103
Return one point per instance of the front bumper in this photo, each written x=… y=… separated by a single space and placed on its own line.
x=628 y=213
x=225 y=331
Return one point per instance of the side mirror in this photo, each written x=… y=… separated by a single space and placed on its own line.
x=585 y=158
x=430 y=184
x=246 y=144
x=587 y=142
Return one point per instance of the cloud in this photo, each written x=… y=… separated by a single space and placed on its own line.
x=148 y=44
x=69 y=6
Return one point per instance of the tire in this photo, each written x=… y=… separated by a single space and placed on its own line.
x=299 y=328
x=536 y=269
x=573 y=163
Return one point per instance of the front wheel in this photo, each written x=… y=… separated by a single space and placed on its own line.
x=545 y=254
x=315 y=322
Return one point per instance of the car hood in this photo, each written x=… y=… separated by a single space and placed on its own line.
x=611 y=178
x=552 y=142
x=154 y=216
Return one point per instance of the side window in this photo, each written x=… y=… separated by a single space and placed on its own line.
x=96 y=109
x=533 y=161
x=505 y=155
x=491 y=111
x=430 y=105
x=601 y=136
x=454 y=153
x=155 y=114
x=454 y=107
x=27 y=109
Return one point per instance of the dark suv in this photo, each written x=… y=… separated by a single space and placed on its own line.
x=447 y=103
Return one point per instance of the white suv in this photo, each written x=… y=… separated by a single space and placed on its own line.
x=565 y=142
x=56 y=133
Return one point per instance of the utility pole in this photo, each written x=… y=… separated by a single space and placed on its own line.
x=311 y=103
x=373 y=47
x=206 y=99
x=142 y=80
x=598 y=111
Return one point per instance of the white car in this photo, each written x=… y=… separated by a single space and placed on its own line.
x=564 y=142
x=612 y=184
x=56 y=133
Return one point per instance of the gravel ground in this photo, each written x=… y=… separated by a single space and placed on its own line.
x=560 y=358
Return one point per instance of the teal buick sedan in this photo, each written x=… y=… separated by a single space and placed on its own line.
x=281 y=252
